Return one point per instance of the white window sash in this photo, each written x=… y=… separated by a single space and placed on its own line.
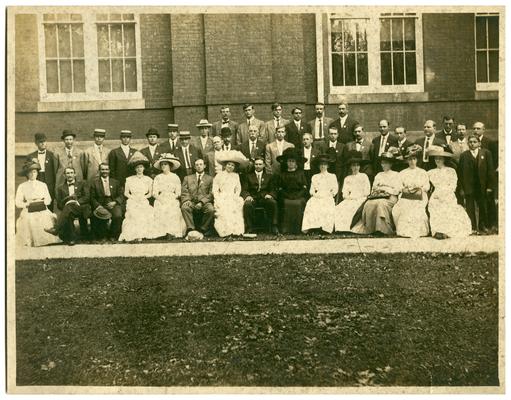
x=488 y=86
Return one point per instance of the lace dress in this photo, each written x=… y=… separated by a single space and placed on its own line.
x=228 y=204
x=320 y=209
x=167 y=209
x=355 y=190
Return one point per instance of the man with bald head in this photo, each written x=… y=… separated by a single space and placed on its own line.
x=429 y=139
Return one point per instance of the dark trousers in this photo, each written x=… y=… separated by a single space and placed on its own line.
x=269 y=205
x=65 y=221
x=481 y=199
x=206 y=215
x=41 y=176
x=100 y=226
x=308 y=177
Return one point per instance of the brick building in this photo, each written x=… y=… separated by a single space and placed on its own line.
x=136 y=70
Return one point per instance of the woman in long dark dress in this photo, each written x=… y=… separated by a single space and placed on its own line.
x=291 y=186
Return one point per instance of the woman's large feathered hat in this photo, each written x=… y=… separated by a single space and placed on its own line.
x=234 y=156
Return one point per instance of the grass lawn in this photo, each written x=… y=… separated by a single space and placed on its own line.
x=276 y=320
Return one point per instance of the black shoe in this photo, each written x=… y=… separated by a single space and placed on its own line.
x=71 y=243
x=51 y=231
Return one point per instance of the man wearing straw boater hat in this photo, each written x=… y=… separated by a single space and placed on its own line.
x=172 y=143
x=96 y=154
x=69 y=156
x=48 y=163
x=152 y=151
x=119 y=157
x=203 y=142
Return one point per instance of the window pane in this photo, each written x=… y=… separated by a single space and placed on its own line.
x=117 y=76
x=399 y=73
x=49 y=17
x=363 y=76
x=52 y=78
x=482 y=75
x=116 y=40
x=102 y=17
x=50 y=40
x=131 y=75
x=361 y=37
x=63 y=17
x=349 y=36
x=493 y=32
x=64 y=41
x=336 y=41
x=104 y=75
x=350 y=73
x=385 y=34
x=386 y=69
x=65 y=76
x=77 y=35
x=115 y=17
x=129 y=40
x=480 y=33
x=76 y=17
x=103 y=41
x=494 y=66
x=411 y=69
x=128 y=17
x=337 y=74
x=409 y=34
x=79 y=75
x=397 y=34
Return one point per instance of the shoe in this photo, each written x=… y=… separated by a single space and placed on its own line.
x=51 y=231
x=71 y=243
x=275 y=230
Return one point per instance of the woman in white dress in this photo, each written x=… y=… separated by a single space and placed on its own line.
x=320 y=209
x=226 y=193
x=138 y=221
x=446 y=217
x=355 y=190
x=376 y=215
x=409 y=213
x=33 y=198
x=168 y=219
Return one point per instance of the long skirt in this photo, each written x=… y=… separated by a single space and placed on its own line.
x=168 y=219
x=377 y=217
x=449 y=218
x=139 y=221
x=319 y=213
x=229 y=215
x=344 y=213
x=410 y=218
x=30 y=228
x=292 y=215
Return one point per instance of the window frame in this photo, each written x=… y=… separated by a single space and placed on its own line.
x=486 y=86
x=374 y=54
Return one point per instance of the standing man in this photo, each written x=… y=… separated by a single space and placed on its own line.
x=345 y=124
x=340 y=150
x=225 y=122
x=96 y=154
x=296 y=128
x=275 y=149
x=48 y=163
x=309 y=152
x=242 y=134
x=381 y=144
x=423 y=160
x=402 y=144
x=271 y=125
x=319 y=126
x=362 y=145
x=187 y=155
x=253 y=148
x=172 y=144
x=477 y=178
x=459 y=145
x=447 y=134
x=203 y=142
x=69 y=156
x=213 y=167
x=152 y=152
x=119 y=157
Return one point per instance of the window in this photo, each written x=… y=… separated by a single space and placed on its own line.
x=487 y=51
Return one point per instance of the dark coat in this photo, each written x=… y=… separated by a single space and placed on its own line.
x=151 y=171
x=401 y=164
x=194 y=155
x=470 y=168
x=345 y=131
x=431 y=163
x=250 y=186
x=259 y=151
x=442 y=135
x=191 y=192
x=165 y=146
x=50 y=171
x=81 y=195
x=293 y=135
x=341 y=155
x=391 y=142
x=367 y=151
x=197 y=143
x=493 y=147
x=118 y=163
x=217 y=127
x=97 y=194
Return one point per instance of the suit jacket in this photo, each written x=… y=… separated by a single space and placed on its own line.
x=191 y=192
x=259 y=150
x=269 y=129
x=250 y=186
x=293 y=135
x=442 y=135
x=119 y=164
x=346 y=130
x=341 y=155
x=493 y=147
x=326 y=123
x=481 y=167
x=77 y=162
x=242 y=133
x=316 y=151
x=209 y=160
x=194 y=155
x=93 y=159
x=366 y=150
x=197 y=143
x=151 y=171
x=82 y=194
x=391 y=142
x=458 y=149
x=97 y=193
x=217 y=127
x=271 y=154
x=165 y=146
x=401 y=164
x=431 y=163
x=50 y=170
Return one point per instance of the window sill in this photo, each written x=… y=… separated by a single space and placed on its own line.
x=379 y=97
x=90 y=105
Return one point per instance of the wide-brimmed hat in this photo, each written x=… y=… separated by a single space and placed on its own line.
x=102 y=213
x=39 y=137
x=388 y=156
x=168 y=157
x=28 y=166
x=99 y=132
x=204 y=123
x=234 y=156
x=325 y=158
x=356 y=157
x=291 y=153
x=225 y=131
x=184 y=135
x=66 y=133
x=438 y=151
x=138 y=158
x=153 y=131
x=412 y=151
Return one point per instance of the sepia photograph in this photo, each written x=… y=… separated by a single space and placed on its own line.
x=264 y=199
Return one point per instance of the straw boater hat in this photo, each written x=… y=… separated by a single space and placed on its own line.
x=234 y=156
x=66 y=133
x=356 y=157
x=102 y=213
x=438 y=151
x=138 y=158
x=291 y=153
x=184 y=135
x=168 y=157
x=99 y=132
x=173 y=127
x=126 y=132
x=29 y=166
x=153 y=131
x=204 y=123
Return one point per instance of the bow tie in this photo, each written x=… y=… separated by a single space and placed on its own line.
x=41 y=152
x=359 y=141
x=70 y=184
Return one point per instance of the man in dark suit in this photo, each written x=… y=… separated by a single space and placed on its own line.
x=296 y=128
x=187 y=155
x=340 y=150
x=345 y=124
x=402 y=144
x=152 y=152
x=227 y=136
x=381 y=144
x=119 y=157
x=362 y=145
x=423 y=160
x=197 y=199
x=257 y=191
x=74 y=201
x=253 y=147
x=477 y=175
x=69 y=156
x=225 y=122
x=172 y=143
x=47 y=161
x=108 y=203
x=318 y=127
x=203 y=142
x=447 y=134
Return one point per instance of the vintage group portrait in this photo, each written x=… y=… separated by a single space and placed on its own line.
x=255 y=199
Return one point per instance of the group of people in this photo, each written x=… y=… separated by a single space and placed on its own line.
x=281 y=176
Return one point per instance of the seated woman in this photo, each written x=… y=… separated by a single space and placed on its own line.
x=35 y=221
x=291 y=187
x=226 y=193
x=320 y=209
x=376 y=215
x=446 y=217
x=409 y=213
x=355 y=190
x=138 y=221
x=168 y=220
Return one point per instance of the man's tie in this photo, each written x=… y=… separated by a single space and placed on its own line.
x=425 y=157
x=187 y=156
x=252 y=150
x=382 y=145
x=100 y=150
x=198 y=180
x=41 y=152
x=69 y=157
x=259 y=182
x=321 y=129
